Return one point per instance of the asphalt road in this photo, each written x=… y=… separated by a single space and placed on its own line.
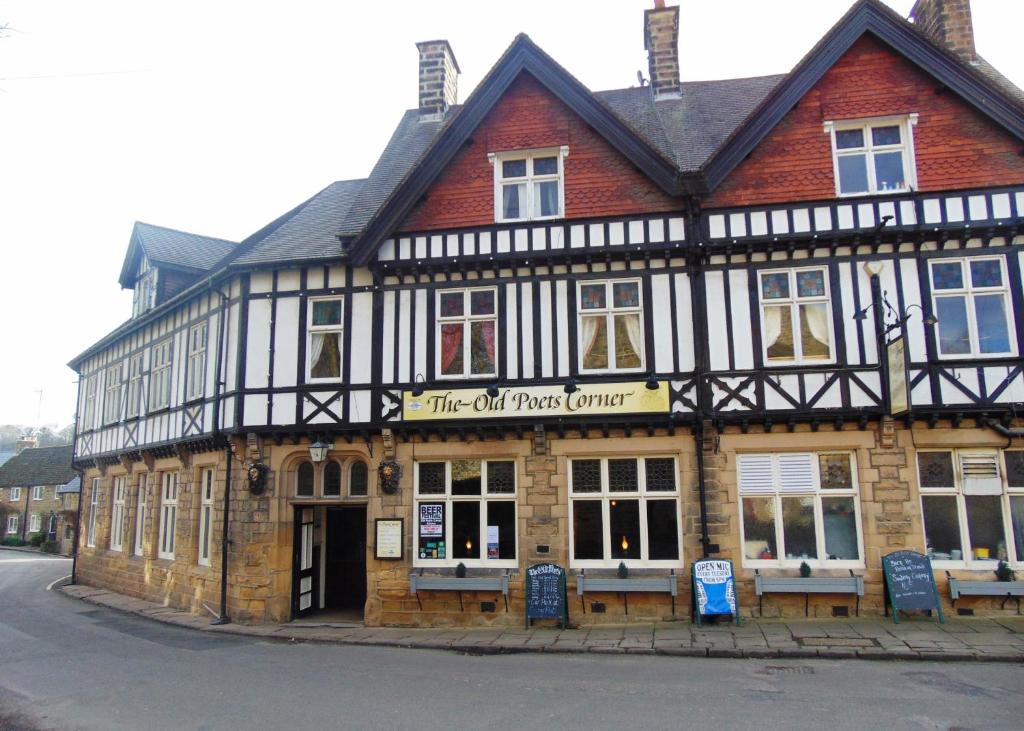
x=68 y=665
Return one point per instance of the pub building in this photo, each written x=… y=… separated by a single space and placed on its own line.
x=772 y=320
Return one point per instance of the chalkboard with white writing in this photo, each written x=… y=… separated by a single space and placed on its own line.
x=910 y=583
x=545 y=594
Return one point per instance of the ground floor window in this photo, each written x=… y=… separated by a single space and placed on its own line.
x=466 y=513
x=972 y=502
x=168 y=514
x=205 y=516
x=625 y=510
x=35 y=523
x=334 y=478
x=117 y=513
x=799 y=507
x=12 y=523
x=94 y=502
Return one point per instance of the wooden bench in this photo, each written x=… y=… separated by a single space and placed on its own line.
x=1006 y=589
x=649 y=584
x=807 y=585
x=420 y=582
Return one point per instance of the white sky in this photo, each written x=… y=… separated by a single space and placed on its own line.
x=216 y=117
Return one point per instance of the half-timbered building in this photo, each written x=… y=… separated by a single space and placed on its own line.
x=775 y=320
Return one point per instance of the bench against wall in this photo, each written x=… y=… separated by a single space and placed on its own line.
x=807 y=585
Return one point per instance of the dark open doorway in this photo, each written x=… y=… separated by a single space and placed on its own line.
x=345 y=559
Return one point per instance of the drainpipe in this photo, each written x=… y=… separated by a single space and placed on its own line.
x=81 y=488
x=1004 y=430
x=217 y=383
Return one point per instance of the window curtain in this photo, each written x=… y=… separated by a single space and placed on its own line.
x=772 y=325
x=451 y=346
x=316 y=349
x=590 y=327
x=634 y=333
x=817 y=322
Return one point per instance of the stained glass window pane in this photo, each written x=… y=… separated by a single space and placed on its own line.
x=662 y=530
x=759 y=528
x=622 y=475
x=326 y=312
x=954 y=337
x=775 y=285
x=947 y=275
x=849 y=138
x=628 y=341
x=513 y=168
x=452 y=304
x=889 y=135
x=798 y=531
x=626 y=294
x=431 y=478
x=941 y=527
x=546 y=198
x=624 y=522
x=545 y=165
x=810 y=284
x=482 y=347
x=587 y=530
x=935 y=469
x=481 y=302
x=466 y=476
x=592 y=296
x=993 y=335
x=501 y=477
x=840 y=525
x=853 y=174
x=1015 y=471
x=986 y=273
x=586 y=475
x=889 y=171
x=836 y=473
x=332 y=479
x=660 y=474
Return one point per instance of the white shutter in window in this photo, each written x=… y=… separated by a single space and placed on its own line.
x=797 y=473
x=755 y=474
x=980 y=473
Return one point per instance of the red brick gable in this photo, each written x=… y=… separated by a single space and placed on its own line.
x=955 y=146
x=599 y=181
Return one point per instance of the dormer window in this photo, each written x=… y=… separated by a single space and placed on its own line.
x=873 y=156
x=145 y=292
x=528 y=186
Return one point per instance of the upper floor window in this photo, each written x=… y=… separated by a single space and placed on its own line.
x=15 y=495
x=972 y=505
x=972 y=304
x=112 y=397
x=160 y=376
x=323 y=348
x=796 y=316
x=145 y=292
x=37 y=492
x=196 y=360
x=466 y=324
x=89 y=407
x=135 y=385
x=873 y=156
x=799 y=507
x=529 y=185
x=611 y=326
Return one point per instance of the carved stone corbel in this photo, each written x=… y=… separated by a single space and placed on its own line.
x=389 y=443
x=184 y=455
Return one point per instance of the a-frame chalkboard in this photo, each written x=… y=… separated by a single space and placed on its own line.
x=910 y=583
x=545 y=594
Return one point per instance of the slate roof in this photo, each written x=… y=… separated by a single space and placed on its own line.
x=38 y=466
x=170 y=247
x=71 y=487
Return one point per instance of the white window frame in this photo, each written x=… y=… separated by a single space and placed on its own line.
x=969 y=292
x=609 y=311
x=323 y=329
x=906 y=123
x=205 y=516
x=15 y=494
x=37 y=492
x=161 y=358
x=94 y=503
x=449 y=499
x=89 y=406
x=118 y=492
x=144 y=298
x=793 y=302
x=817 y=492
x=12 y=524
x=112 y=394
x=168 y=515
x=606 y=496
x=1006 y=493
x=140 y=513
x=35 y=523
x=466 y=319
x=497 y=158
x=134 y=405
x=197 y=336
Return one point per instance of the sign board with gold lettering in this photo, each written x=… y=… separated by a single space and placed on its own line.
x=592 y=399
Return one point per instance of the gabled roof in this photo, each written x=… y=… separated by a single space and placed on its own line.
x=979 y=88
x=171 y=248
x=522 y=56
x=73 y=486
x=38 y=466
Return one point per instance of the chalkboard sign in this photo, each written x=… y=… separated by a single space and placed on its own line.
x=545 y=594
x=714 y=589
x=910 y=583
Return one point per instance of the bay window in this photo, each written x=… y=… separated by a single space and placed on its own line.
x=528 y=185
x=323 y=346
x=465 y=512
x=972 y=503
x=611 y=327
x=796 y=316
x=799 y=507
x=625 y=510
x=466 y=327
x=971 y=300
x=873 y=156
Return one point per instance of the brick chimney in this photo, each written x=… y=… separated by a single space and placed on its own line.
x=439 y=78
x=948 y=22
x=661 y=39
x=26 y=442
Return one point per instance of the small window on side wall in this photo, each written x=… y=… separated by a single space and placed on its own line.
x=873 y=156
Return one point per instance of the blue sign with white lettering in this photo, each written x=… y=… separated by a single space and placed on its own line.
x=714 y=588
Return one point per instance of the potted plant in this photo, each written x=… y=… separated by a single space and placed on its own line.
x=1003 y=572
x=805 y=570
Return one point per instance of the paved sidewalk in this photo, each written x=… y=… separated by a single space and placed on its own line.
x=993 y=640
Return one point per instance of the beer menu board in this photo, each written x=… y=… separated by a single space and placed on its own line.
x=910 y=583
x=545 y=594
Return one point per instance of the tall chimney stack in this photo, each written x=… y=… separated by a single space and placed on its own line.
x=948 y=22
x=661 y=39
x=439 y=78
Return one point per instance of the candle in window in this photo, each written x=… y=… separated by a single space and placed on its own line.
x=469 y=544
x=625 y=544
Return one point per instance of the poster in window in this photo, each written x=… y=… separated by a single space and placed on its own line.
x=492 y=542
x=431 y=530
x=899 y=395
